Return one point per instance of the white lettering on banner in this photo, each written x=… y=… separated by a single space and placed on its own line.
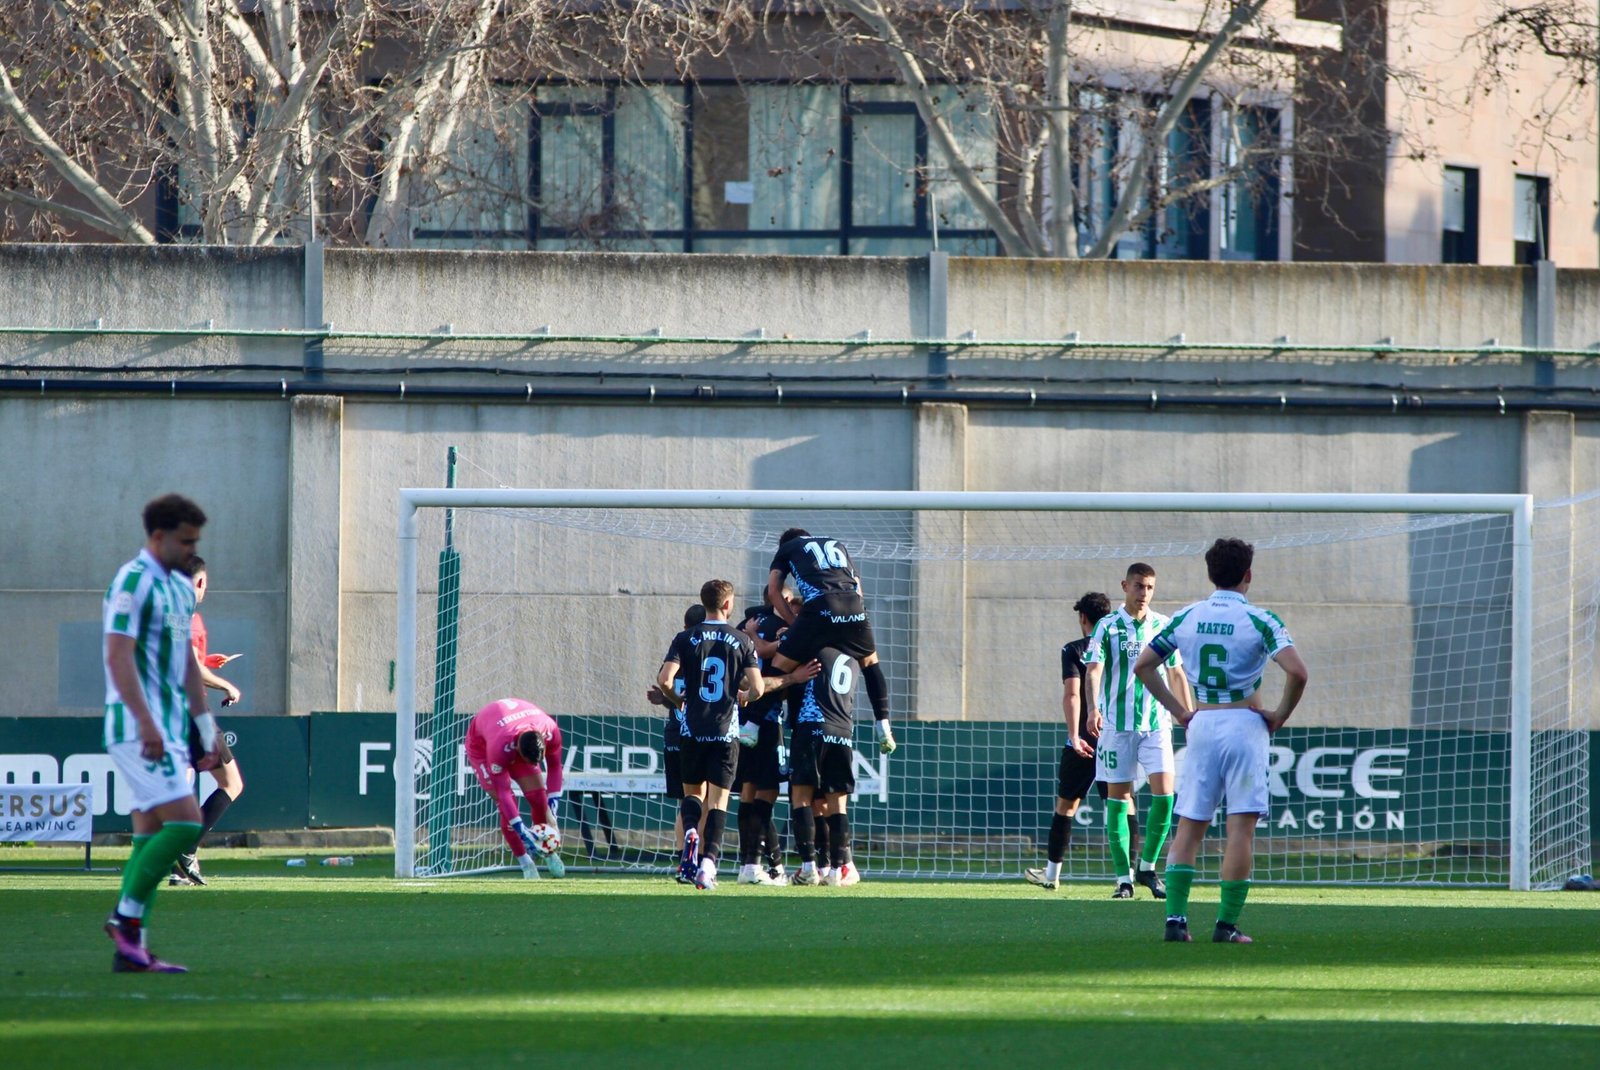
x=365 y=766
x=49 y=813
x=591 y=759
x=100 y=772
x=640 y=761
x=1280 y=760
x=1366 y=767
x=1308 y=768
x=29 y=769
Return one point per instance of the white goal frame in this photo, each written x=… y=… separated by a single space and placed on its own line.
x=1518 y=507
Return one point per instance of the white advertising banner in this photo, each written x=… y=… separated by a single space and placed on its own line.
x=46 y=813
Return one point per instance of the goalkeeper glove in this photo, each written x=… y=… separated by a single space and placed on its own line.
x=886 y=743
x=554 y=799
x=749 y=732
x=524 y=835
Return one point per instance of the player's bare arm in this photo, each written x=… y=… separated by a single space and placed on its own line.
x=1071 y=708
x=1096 y=722
x=799 y=675
x=755 y=686
x=780 y=604
x=119 y=659
x=1296 y=676
x=199 y=712
x=664 y=678
x=1148 y=670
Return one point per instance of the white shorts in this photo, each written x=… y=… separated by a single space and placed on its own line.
x=1226 y=756
x=1118 y=752
x=153 y=783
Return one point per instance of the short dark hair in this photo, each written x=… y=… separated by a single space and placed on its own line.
x=195 y=565
x=694 y=616
x=792 y=533
x=170 y=512
x=1228 y=560
x=1093 y=605
x=713 y=593
x=1139 y=568
x=530 y=745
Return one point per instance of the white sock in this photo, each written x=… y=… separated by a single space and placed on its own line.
x=526 y=862
x=130 y=908
x=1146 y=867
x=1052 y=871
x=808 y=868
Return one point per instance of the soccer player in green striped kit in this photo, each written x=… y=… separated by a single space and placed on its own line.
x=1226 y=641
x=153 y=689
x=1133 y=728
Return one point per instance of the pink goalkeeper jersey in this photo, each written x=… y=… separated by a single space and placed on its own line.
x=492 y=741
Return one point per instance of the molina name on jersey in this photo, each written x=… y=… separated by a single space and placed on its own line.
x=713 y=671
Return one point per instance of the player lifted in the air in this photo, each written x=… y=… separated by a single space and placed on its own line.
x=1133 y=729
x=719 y=671
x=823 y=756
x=507 y=741
x=832 y=613
x=1225 y=642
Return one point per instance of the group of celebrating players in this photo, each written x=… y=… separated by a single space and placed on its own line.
x=795 y=661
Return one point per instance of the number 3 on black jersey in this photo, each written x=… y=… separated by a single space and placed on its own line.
x=715 y=683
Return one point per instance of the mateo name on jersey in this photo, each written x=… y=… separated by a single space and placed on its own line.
x=1213 y=627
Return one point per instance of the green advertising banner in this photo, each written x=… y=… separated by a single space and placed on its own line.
x=334 y=770
x=272 y=754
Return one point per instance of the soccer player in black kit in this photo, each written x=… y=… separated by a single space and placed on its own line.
x=671 y=736
x=760 y=763
x=823 y=755
x=832 y=613
x=1076 y=771
x=719 y=671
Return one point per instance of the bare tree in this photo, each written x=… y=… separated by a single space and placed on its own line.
x=267 y=119
x=1069 y=111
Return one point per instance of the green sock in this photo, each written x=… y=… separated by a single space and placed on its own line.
x=1156 y=827
x=1232 y=901
x=1180 y=878
x=150 y=868
x=132 y=866
x=1117 y=836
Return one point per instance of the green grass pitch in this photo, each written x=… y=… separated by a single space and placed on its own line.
x=343 y=968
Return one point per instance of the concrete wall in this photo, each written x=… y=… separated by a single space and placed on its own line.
x=302 y=488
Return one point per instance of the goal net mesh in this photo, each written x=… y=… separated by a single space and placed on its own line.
x=1395 y=768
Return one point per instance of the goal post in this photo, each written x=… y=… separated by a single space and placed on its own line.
x=922 y=581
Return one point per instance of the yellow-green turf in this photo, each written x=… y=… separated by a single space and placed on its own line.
x=344 y=968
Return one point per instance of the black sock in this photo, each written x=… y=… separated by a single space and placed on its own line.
x=711 y=844
x=1060 y=836
x=1133 y=833
x=749 y=838
x=824 y=841
x=877 y=689
x=839 y=837
x=690 y=809
x=803 y=823
x=767 y=832
x=212 y=810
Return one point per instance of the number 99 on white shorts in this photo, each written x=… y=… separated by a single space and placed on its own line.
x=1119 y=753
x=153 y=783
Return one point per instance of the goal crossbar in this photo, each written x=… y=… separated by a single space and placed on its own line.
x=1517 y=507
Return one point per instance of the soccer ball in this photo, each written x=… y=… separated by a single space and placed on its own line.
x=546 y=840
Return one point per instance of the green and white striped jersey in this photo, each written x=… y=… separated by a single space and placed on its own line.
x=1225 y=643
x=155 y=607
x=1115 y=644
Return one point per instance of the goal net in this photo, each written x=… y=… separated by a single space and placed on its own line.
x=1443 y=738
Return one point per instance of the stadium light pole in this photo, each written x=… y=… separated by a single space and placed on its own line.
x=1517 y=507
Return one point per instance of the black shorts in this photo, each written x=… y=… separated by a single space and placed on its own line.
x=828 y=767
x=837 y=622
x=758 y=765
x=1075 y=775
x=708 y=762
x=673 y=762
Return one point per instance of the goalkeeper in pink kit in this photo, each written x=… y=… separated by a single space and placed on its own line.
x=512 y=740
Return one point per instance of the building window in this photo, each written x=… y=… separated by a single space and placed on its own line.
x=478 y=197
x=1530 y=227
x=1460 y=216
x=1250 y=151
